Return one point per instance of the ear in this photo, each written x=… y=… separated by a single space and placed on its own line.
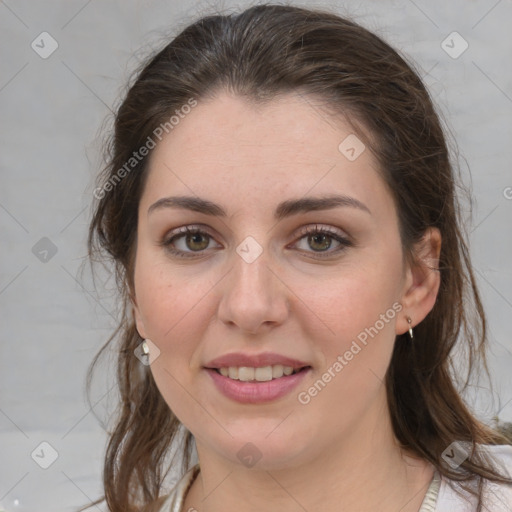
x=137 y=317
x=422 y=281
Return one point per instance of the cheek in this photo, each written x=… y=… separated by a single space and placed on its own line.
x=175 y=309
x=341 y=307
x=174 y=315
x=355 y=356
x=352 y=319
x=162 y=298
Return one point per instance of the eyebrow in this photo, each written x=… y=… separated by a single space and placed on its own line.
x=283 y=210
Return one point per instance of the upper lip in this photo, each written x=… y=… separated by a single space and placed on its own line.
x=239 y=359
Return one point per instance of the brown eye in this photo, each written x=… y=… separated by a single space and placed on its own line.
x=321 y=239
x=186 y=241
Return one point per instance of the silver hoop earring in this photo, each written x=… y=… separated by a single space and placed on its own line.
x=410 y=328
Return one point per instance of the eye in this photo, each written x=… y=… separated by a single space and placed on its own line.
x=320 y=240
x=186 y=241
x=191 y=241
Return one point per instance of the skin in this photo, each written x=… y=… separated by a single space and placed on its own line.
x=289 y=301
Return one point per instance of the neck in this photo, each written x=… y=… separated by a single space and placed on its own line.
x=365 y=471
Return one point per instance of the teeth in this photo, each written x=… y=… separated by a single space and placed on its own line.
x=245 y=373
x=277 y=371
x=262 y=374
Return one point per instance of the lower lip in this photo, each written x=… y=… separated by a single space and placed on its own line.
x=256 y=392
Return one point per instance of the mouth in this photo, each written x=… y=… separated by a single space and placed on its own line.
x=259 y=385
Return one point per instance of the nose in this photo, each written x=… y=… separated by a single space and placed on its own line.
x=253 y=296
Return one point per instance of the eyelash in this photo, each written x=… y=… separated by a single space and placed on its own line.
x=308 y=231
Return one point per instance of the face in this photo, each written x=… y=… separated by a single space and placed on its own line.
x=320 y=286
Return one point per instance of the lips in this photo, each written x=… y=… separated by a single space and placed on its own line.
x=239 y=359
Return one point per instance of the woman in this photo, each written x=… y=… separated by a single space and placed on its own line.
x=280 y=209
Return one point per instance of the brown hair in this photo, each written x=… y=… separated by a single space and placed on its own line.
x=258 y=54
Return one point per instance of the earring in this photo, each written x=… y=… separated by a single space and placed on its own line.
x=145 y=348
x=410 y=328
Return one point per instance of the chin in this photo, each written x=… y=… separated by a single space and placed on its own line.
x=262 y=448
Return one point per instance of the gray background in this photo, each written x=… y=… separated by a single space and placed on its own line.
x=52 y=109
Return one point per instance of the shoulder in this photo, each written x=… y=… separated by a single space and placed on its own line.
x=496 y=497
x=173 y=502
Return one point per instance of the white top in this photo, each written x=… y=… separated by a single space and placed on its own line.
x=440 y=497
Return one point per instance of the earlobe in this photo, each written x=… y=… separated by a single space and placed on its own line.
x=422 y=281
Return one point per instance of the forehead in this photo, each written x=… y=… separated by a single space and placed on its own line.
x=227 y=148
